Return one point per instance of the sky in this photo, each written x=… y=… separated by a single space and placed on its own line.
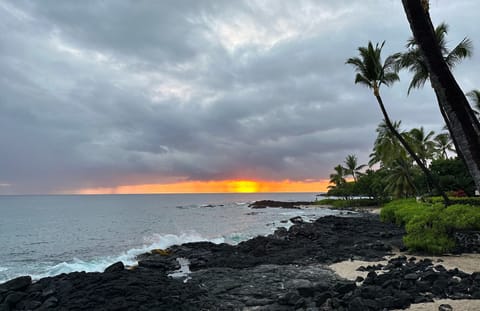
x=200 y=95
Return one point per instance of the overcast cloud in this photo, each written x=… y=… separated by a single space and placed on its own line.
x=107 y=93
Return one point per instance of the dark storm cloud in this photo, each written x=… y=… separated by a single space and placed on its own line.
x=105 y=93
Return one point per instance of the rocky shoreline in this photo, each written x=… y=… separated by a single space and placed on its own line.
x=284 y=271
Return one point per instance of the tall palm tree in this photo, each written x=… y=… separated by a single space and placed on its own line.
x=474 y=96
x=463 y=124
x=372 y=73
x=422 y=143
x=414 y=61
x=337 y=178
x=443 y=143
x=352 y=167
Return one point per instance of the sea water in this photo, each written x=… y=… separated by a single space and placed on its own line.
x=48 y=235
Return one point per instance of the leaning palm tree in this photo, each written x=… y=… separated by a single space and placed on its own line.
x=463 y=124
x=443 y=143
x=372 y=73
x=414 y=61
x=337 y=178
x=352 y=167
x=474 y=96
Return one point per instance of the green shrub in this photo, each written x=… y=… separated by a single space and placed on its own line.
x=475 y=201
x=462 y=217
x=430 y=227
x=427 y=232
x=400 y=211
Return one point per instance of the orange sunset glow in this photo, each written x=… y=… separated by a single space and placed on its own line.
x=224 y=186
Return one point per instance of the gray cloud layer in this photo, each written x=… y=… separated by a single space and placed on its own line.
x=105 y=93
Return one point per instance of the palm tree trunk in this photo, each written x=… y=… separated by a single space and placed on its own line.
x=449 y=126
x=407 y=147
x=465 y=128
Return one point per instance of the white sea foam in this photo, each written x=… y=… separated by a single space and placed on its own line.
x=184 y=270
x=3 y=269
x=128 y=258
x=293 y=213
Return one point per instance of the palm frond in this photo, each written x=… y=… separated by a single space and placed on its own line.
x=418 y=80
x=462 y=50
x=389 y=78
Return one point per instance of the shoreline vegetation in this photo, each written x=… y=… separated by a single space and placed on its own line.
x=354 y=261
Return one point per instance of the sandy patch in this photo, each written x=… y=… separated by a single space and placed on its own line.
x=348 y=269
x=466 y=262
x=457 y=305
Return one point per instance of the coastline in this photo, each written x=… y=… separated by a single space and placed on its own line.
x=291 y=269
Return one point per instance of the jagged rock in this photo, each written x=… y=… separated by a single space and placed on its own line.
x=284 y=271
x=411 y=276
x=13 y=298
x=118 y=266
x=467 y=241
x=296 y=220
x=16 y=284
x=281 y=204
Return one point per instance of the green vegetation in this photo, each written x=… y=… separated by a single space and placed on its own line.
x=372 y=72
x=346 y=204
x=474 y=201
x=416 y=163
x=430 y=226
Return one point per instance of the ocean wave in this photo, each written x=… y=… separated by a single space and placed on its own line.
x=128 y=257
x=242 y=203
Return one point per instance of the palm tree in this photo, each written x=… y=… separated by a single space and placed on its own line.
x=372 y=73
x=386 y=147
x=337 y=178
x=443 y=143
x=457 y=113
x=414 y=61
x=399 y=180
x=474 y=96
x=422 y=143
x=352 y=167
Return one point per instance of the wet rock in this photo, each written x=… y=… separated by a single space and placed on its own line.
x=159 y=262
x=280 y=204
x=16 y=284
x=281 y=233
x=296 y=220
x=118 y=266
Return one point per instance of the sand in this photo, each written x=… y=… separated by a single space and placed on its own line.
x=466 y=262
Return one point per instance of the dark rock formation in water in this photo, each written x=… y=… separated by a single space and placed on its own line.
x=283 y=271
x=280 y=204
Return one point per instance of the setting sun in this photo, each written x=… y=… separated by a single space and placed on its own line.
x=244 y=186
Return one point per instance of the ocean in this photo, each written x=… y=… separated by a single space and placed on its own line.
x=49 y=235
